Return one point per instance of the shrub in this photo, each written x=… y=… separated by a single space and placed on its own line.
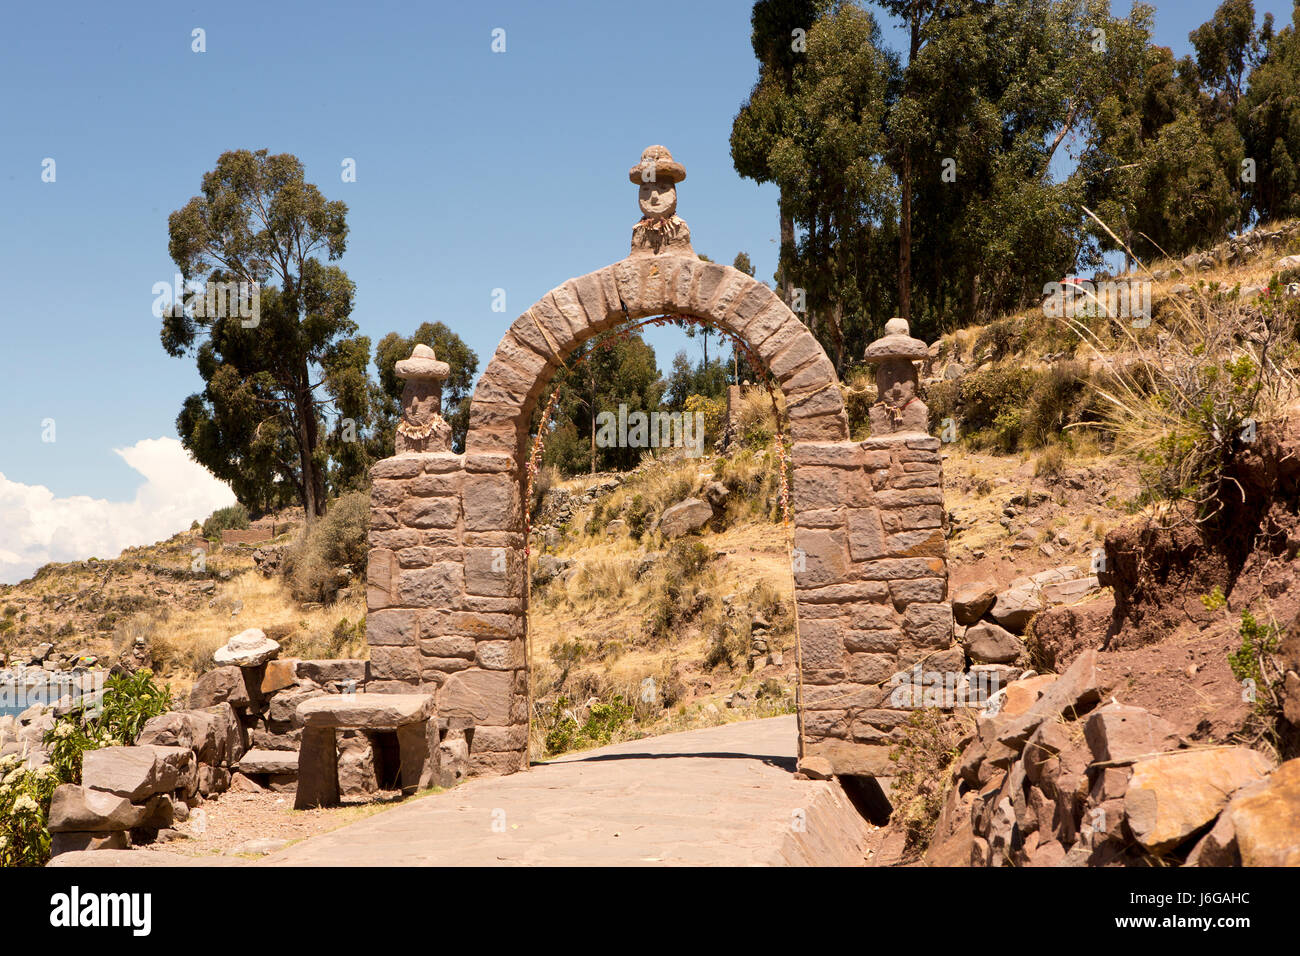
x=24 y=811
x=999 y=339
x=715 y=416
x=924 y=758
x=679 y=596
x=330 y=550
x=756 y=422
x=1191 y=401
x=234 y=517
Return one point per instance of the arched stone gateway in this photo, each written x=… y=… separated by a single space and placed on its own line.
x=447 y=588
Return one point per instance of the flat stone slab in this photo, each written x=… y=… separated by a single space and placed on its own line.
x=269 y=761
x=365 y=711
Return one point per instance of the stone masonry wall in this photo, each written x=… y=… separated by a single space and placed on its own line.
x=871 y=582
x=447 y=575
x=446 y=592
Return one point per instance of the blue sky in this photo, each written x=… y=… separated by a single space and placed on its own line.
x=475 y=171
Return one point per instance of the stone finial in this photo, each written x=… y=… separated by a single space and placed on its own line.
x=660 y=229
x=898 y=405
x=422 y=427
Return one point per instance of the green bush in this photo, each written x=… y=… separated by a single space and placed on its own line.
x=24 y=811
x=314 y=567
x=603 y=720
x=233 y=518
x=129 y=701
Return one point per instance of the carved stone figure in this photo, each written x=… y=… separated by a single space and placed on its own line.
x=898 y=405
x=422 y=427
x=660 y=229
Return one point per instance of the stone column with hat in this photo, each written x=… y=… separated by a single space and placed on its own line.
x=898 y=406
x=422 y=427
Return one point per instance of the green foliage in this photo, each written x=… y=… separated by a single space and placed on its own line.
x=601 y=375
x=71 y=736
x=128 y=702
x=597 y=728
x=330 y=552
x=456 y=390
x=1215 y=600
x=1269 y=118
x=1249 y=661
x=234 y=517
x=259 y=421
x=24 y=809
x=815 y=126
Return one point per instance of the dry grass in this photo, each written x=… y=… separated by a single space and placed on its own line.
x=1195 y=388
x=182 y=642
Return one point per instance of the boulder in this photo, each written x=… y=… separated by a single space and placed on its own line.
x=73 y=841
x=130 y=772
x=1024 y=693
x=987 y=643
x=970 y=602
x=278 y=675
x=453 y=761
x=75 y=808
x=269 y=761
x=1014 y=607
x=224 y=684
x=684 y=517
x=356 y=766
x=1071 y=591
x=1219 y=846
x=716 y=493
x=550 y=567
x=1120 y=732
x=1266 y=820
x=1173 y=795
x=249 y=648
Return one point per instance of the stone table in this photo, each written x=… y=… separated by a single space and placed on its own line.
x=409 y=717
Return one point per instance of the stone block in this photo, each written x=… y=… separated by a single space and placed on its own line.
x=483 y=696
x=439 y=585
x=394 y=663
x=391 y=627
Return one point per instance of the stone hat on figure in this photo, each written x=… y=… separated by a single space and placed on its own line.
x=657 y=165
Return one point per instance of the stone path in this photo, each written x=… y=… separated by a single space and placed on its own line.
x=725 y=796
x=721 y=796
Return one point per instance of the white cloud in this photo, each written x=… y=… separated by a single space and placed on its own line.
x=36 y=527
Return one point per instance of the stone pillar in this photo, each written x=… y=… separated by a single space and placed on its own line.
x=871 y=577
x=445 y=588
x=318 y=769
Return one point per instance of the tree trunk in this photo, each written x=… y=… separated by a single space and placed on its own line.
x=905 y=243
x=786 y=260
x=308 y=437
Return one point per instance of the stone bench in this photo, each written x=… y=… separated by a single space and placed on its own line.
x=402 y=729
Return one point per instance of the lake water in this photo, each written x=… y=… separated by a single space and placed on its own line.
x=19 y=690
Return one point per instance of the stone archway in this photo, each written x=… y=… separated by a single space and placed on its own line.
x=447 y=589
